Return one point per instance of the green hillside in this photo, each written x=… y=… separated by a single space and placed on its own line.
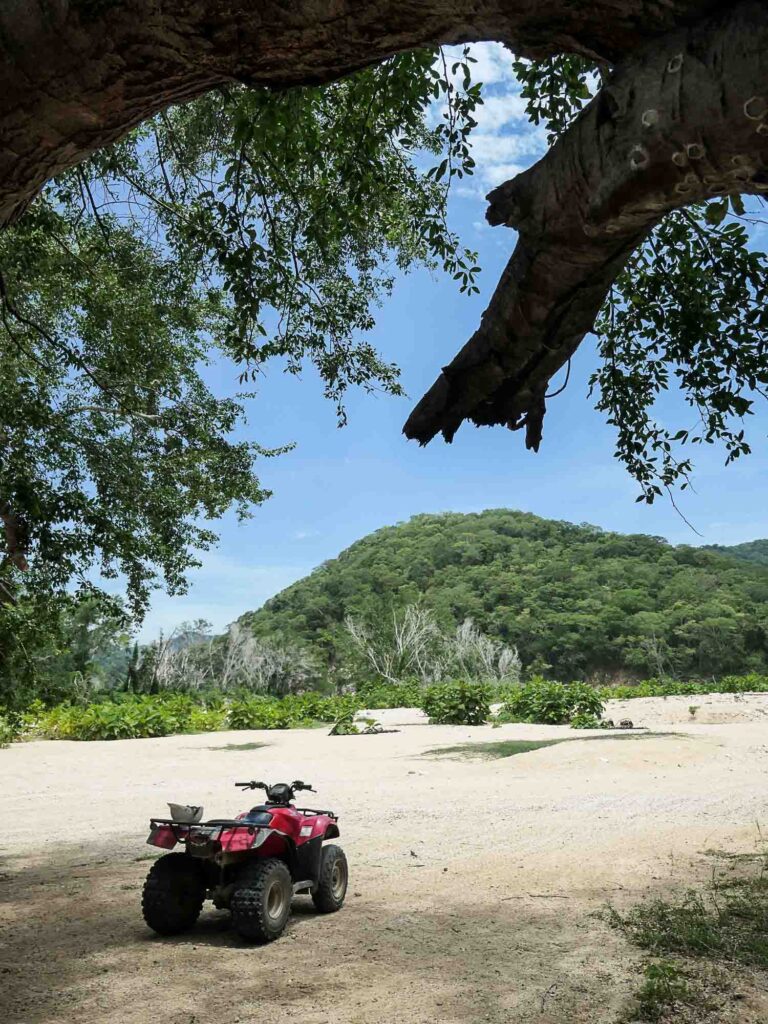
x=755 y=551
x=578 y=602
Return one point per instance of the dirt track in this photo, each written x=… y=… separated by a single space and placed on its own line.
x=473 y=882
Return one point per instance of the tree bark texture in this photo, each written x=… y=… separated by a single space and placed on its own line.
x=76 y=75
x=684 y=118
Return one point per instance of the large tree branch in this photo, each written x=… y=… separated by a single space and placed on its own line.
x=76 y=75
x=681 y=121
x=13 y=550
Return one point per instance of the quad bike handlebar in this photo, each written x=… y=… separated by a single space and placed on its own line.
x=278 y=789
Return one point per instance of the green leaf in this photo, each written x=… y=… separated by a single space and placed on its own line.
x=715 y=212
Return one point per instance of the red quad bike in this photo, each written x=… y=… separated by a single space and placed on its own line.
x=252 y=865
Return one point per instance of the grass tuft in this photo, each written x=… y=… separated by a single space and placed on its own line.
x=240 y=746
x=664 y=987
x=488 y=751
x=701 y=942
x=508 y=748
x=727 y=922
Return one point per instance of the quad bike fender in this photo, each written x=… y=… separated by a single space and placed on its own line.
x=303 y=858
x=163 y=836
x=308 y=857
x=309 y=848
x=322 y=825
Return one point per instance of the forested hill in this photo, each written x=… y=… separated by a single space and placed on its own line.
x=755 y=551
x=577 y=601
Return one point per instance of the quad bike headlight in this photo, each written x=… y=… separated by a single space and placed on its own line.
x=260 y=836
x=239 y=840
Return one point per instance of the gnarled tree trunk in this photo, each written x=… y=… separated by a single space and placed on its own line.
x=78 y=74
x=684 y=116
x=682 y=120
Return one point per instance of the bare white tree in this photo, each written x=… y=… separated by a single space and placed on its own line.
x=417 y=643
x=379 y=653
x=658 y=655
x=414 y=645
x=281 y=669
x=237 y=656
x=477 y=656
x=181 y=660
x=411 y=646
x=188 y=659
x=262 y=666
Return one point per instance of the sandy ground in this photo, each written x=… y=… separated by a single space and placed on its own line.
x=474 y=884
x=643 y=712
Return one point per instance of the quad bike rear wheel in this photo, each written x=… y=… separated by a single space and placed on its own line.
x=173 y=895
x=261 y=901
x=328 y=895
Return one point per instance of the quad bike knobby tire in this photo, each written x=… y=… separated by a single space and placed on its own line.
x=173 y=894
x=261 y=901
x=328 y=895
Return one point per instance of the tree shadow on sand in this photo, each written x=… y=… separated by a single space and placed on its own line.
x=77 y=950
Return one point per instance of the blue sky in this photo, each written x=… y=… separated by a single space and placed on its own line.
x=338 y=485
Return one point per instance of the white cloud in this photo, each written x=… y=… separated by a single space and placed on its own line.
x=497 y=174
x=498 y=111
x=496 y=149
x=500 y=155
x=469 y=191
x=504 y=141
x=493 y=63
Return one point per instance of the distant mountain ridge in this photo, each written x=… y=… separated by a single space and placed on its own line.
x=577 y=601
x=755 y=551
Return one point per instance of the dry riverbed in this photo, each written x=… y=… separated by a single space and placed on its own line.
x=474 y=883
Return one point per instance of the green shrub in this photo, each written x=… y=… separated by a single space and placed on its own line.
x=753 y=683
x=378 y=695
x=316 y=707
x=130 y=717
x=206 y=719
x=345 y=726
x=349 y=725
x=457 y=703
x=289 y=712
x=260 y=713
x=583 y=720
x=549 y=703
x=8 y=732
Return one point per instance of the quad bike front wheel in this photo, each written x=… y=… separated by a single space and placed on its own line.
x=328 y=895
x=173 y=895
x=261 y=901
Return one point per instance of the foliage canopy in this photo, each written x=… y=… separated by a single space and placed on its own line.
x=245 y=226
x=575 y=601
x=253 y=225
